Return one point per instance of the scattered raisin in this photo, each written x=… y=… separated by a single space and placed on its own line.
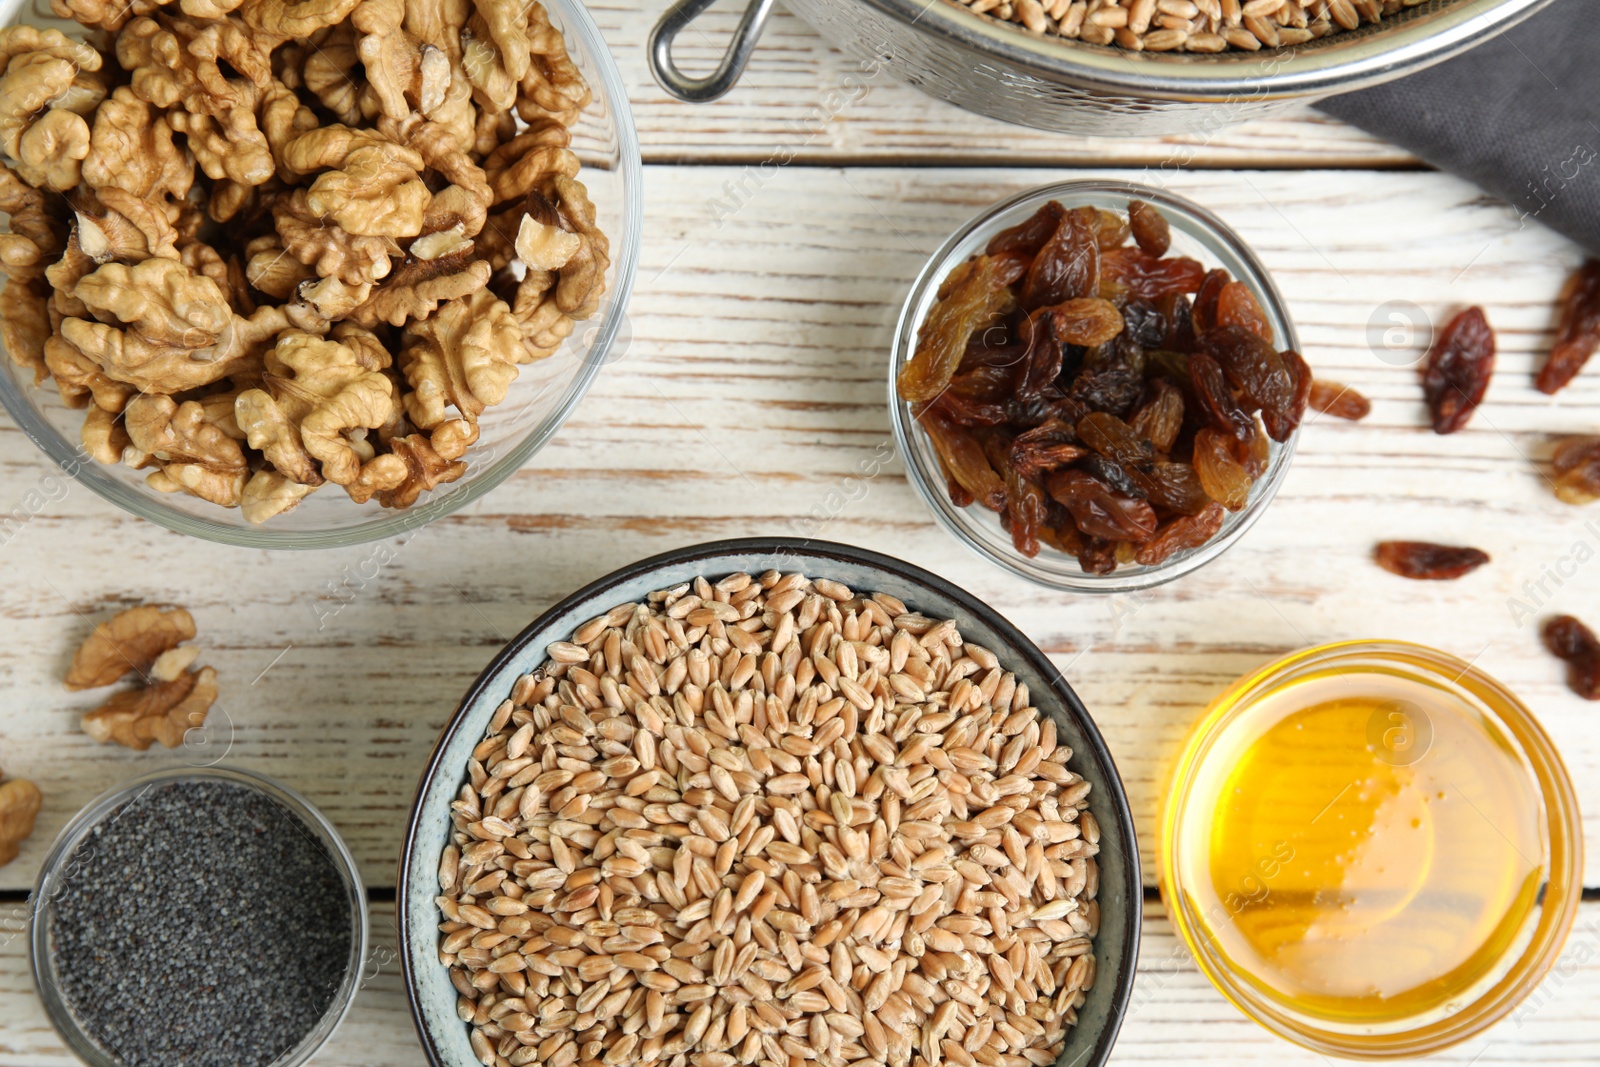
x=1571 y=640
x=1458 y=370
x=1577 y=466
x=1578 y=333
x=1425 y=561
x=1151 y=231
x=1340 y=401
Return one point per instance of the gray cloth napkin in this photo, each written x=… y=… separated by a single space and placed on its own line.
x=1516 y=115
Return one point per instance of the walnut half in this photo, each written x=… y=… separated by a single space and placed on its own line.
x=171 y=698
x=19 y=804
x=129 y=642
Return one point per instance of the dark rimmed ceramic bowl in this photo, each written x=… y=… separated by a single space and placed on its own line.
x=433 y=998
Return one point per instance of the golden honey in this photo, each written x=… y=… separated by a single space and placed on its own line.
x=1357 y=849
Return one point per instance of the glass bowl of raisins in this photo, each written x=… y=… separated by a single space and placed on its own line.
x=1096 y=385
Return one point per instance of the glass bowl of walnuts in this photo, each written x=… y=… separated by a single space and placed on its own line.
x=1096 y=386
x=308 y=274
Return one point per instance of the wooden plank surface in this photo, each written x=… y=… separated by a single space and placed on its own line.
x=750 y=398
x=1176 y=1016
x=801 y=99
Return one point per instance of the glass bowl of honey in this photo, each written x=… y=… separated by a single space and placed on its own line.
x=1371 y=848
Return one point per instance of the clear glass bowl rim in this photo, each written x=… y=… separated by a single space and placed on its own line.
x=1563 y=823
x=90 y=815
x=64 y=455
x=930 y=486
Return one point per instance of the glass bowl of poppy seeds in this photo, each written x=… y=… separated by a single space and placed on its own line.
x=198 y=917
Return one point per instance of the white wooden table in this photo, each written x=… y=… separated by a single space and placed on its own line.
x=754 y=384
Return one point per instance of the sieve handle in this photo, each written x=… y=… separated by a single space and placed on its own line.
x=719 y=81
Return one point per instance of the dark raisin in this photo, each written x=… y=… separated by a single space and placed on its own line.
x=1458 y=370
x=1098 y=510
x=1206 y=299
x=1150 y=228
x=1024 y=511
x=970 y=412
x=1160 y=414
x=1281 y=422
x=1135 y=273
x=1179 y=313
x=1144 y=323
x=1340 y=401
x=1096 y=555
x=1066 y=268
x=1425 y=561
x=1215 y=397
x=1182 y=534
x=1237 y=306
x=1578 y=332
x=1047 y=447
x=1042 y=364
x=1116 y=440
x=1029 y=235
x=1571 y=640
x=1113 y=475
x=1257 y=370
x=1173 y=365
x=1176 y=487
x=964 y=459
x=1114 y=388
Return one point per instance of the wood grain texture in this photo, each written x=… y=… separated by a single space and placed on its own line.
x=749 y=399
x=801 y=98
x=1176 y=1015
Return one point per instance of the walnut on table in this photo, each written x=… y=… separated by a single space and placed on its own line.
x=171 y=698
x=20 y=801
x=274 y=247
